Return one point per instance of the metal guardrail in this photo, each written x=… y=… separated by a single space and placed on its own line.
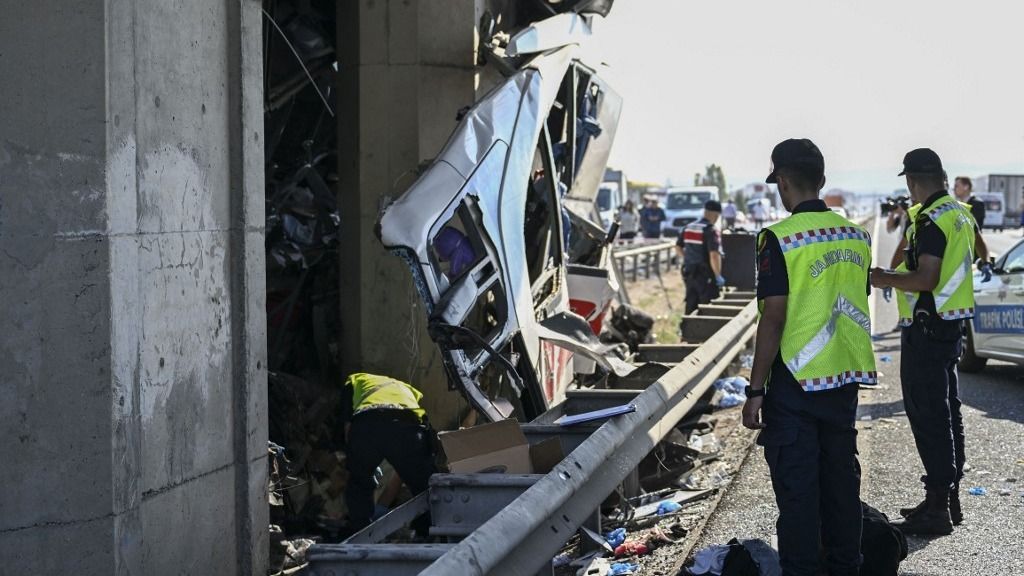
x=651 y=258
x=522 y=537
x=516 y=524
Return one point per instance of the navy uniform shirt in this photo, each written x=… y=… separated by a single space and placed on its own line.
x=977 y=210
x=698 y=239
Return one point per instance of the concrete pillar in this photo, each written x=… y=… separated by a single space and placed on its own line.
x=132 y=275
x=406 y=68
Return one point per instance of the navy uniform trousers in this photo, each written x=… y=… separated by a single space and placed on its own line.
x=810 y=444
x=700 y=286
x=931 y=396
x=395 y=435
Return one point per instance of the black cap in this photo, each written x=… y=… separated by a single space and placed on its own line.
x=921 y=161
x=799 y=154
x=713 y=206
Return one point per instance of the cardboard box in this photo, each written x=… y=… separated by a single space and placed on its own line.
x=498 y=448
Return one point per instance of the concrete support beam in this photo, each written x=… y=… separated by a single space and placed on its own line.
x=131 y=226
x=406 y=68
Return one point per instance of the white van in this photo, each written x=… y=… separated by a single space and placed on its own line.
x=995 y=209
x=685 y=205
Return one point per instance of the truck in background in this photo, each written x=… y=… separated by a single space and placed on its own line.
x=684 y=205
x=1010 y=187
x=611 y=195
x=995 y=210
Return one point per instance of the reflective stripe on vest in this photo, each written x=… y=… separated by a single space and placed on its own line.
x=826 y=342
x=842 y=307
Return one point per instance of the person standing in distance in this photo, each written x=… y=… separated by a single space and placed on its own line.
x=963 y=188
x=812 y=352
x=935 y=293
x=700 y=248
x=729 y=214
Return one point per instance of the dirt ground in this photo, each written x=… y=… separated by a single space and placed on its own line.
x=662 y=298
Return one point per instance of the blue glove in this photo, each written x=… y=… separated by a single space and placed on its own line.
x=887 y=294
x=986 y=272
x=720 y=280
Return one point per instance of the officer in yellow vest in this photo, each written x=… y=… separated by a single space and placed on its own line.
x=387 y=422
x=935 y=294
x=812 y=351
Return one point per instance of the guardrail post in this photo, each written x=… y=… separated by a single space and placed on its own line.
x=657 y=262
x=636 y=265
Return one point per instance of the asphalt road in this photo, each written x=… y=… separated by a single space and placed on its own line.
x=991 y=540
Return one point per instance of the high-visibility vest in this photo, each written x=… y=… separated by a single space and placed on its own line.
x=954 y=294
x=826 y=342
x=373 y=392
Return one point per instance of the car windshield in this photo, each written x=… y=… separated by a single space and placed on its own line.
x=1015 y=259
x=687 y=200
x=993 y=205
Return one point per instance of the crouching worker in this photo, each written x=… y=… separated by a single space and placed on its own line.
x=386 y=423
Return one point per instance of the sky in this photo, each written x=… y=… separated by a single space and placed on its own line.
x=719 y=81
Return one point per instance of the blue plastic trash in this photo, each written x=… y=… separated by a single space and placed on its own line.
x=620 y=568
x=885 y=358
x=730 y=399
x=616 y=537
x=732 y=385
x=667 y=507
x=977 y=491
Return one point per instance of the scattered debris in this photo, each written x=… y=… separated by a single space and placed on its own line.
x=667 y=507
x=885 y=358
x=616 y=537
x=747 y=361
x=977 y=491
x=596 y=567
x=286 y=556
x=562 y=559
x=623 y=568
x=733 y=391
x=633 y=548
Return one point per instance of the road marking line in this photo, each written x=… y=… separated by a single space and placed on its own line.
x=875 y=293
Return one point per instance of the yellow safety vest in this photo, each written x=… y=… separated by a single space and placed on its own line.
x=826 y=342
x=373 y=392
x=954 y=294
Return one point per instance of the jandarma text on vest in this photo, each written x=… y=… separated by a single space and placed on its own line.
x=835 y=257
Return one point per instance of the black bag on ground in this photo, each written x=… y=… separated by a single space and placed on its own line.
x=882 y=545
x=739 y=562
x=629 y=325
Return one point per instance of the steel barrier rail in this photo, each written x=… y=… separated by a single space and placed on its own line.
x=656 y=255
x=522 y=538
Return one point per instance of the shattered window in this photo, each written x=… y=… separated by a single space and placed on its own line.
x=543 y=246
x=457 y=247
x=459 y=250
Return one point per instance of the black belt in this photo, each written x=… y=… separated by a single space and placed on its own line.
x=394 y=414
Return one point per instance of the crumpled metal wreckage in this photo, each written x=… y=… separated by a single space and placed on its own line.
x=499 y=231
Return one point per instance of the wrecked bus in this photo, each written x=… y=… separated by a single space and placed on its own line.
x=502 y=225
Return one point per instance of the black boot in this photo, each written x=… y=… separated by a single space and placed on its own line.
x=956 y=513
x=932 y=519
x=908 y=511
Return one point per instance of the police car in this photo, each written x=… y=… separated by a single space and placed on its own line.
x=997 y=330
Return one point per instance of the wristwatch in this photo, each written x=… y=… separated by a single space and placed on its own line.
x=753 y=392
